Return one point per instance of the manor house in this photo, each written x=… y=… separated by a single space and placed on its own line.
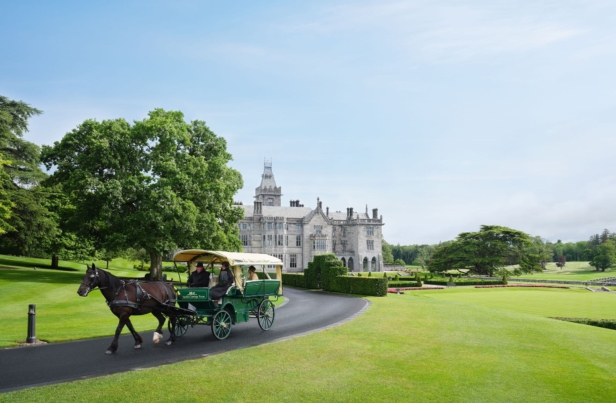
x=295 y=234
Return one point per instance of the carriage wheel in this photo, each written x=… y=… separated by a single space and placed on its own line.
x=181 y=326
x=265 y=314
x=221 y=325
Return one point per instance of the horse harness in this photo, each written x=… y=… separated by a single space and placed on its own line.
x=141 y=296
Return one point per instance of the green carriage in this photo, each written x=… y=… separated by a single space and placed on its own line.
x=243 y=300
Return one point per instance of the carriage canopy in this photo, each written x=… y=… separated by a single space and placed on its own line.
x=234 y=258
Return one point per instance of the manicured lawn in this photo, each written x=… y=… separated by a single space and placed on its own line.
x=577 y=303
x=579 y=271
x=442 y=346
x=61 y=313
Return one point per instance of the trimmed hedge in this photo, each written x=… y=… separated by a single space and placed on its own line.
x=376 y=286
x=476 y=282
x=605 y=323
x=402 y=284
x=328 y=273
x=294 y=280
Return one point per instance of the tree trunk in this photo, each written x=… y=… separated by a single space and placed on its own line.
x=107 y=268
x=156 y=266
x=54 y=261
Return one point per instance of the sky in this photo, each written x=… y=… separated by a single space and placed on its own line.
x=444 y=115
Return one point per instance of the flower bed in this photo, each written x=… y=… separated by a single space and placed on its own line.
x=521 y=285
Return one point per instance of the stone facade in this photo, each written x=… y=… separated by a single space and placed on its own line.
x=296 y=233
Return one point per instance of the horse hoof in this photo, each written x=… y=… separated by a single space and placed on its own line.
x=169 y=342
x=109 y=352
x=137 y=346
x=156 y=338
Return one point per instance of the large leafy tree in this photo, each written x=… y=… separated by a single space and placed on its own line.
x=19 y=159
x=158 y=184
x=485 y=252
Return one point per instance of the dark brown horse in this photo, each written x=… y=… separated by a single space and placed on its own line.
x=126 y=298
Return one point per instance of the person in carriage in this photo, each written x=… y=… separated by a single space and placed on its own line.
x=199 y=278
x=225 y=281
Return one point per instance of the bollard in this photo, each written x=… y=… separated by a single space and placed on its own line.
x=31 y=324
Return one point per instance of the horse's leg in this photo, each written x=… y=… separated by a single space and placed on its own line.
x=158 y=333
x=114 y=344
x=172 y=320
x=136 y=336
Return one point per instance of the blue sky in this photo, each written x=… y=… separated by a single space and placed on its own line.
x=445 y=115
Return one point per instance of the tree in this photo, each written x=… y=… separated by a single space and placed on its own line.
x=604 y=256
x=388 y=257
x=486 y=251
x=561 y=261
x=400 y=262
x=159 y=184
x=22 y=156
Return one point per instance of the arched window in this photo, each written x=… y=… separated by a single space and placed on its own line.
x=343 y=262
x=373 y=265
x=365 y=264
x=351 y=264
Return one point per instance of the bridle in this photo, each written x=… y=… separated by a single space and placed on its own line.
x=94 y=283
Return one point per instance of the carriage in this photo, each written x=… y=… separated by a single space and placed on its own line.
x=243 y=300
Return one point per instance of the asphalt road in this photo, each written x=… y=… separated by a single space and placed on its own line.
x=305 y=312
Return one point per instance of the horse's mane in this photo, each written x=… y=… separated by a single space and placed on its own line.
x=114 y=282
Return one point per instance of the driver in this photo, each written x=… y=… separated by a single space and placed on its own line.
x=199 y=277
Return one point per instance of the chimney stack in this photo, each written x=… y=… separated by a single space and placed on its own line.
x=327 y=213
x=375 y=213
x=257 y=208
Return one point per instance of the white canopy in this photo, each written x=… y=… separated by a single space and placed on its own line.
x=234 y=258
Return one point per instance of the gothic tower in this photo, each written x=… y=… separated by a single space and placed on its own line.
x=267 y=193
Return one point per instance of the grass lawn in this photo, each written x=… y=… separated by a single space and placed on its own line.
x=578 y=271
x=462 y=345
x=61 y=313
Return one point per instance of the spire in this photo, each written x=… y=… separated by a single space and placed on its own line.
x=267 y=192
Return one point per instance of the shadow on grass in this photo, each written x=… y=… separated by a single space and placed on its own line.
x=21 y=263
x=35 y=276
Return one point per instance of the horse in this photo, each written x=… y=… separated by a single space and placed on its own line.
x=126 y=298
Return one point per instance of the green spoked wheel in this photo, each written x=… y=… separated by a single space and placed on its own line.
x=265 y=314
x=221 y=325
x=181 y=326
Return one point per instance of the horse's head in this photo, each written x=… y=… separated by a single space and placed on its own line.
x=90 y=281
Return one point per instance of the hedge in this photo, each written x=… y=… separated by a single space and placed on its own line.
x=375 y=286
x=477 y=282
x=293 y=280
x=605 y=323
x=328 y=273
x=401 y=284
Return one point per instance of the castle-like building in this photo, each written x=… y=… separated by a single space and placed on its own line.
x=295 y=234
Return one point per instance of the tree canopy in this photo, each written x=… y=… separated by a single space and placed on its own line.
x=158 y=184
x=485 y=252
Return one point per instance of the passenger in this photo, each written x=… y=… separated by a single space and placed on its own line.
x=252 y=275
x=199 y=277
x=225 y=280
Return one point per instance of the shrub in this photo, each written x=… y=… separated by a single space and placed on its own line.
x=397 y=277
x=364 y=286
x=605 y=323
x=418 y=279
x=476 y=282
x=369 y=274
x=293 y=280
x=359 y=274
x=401 y=284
